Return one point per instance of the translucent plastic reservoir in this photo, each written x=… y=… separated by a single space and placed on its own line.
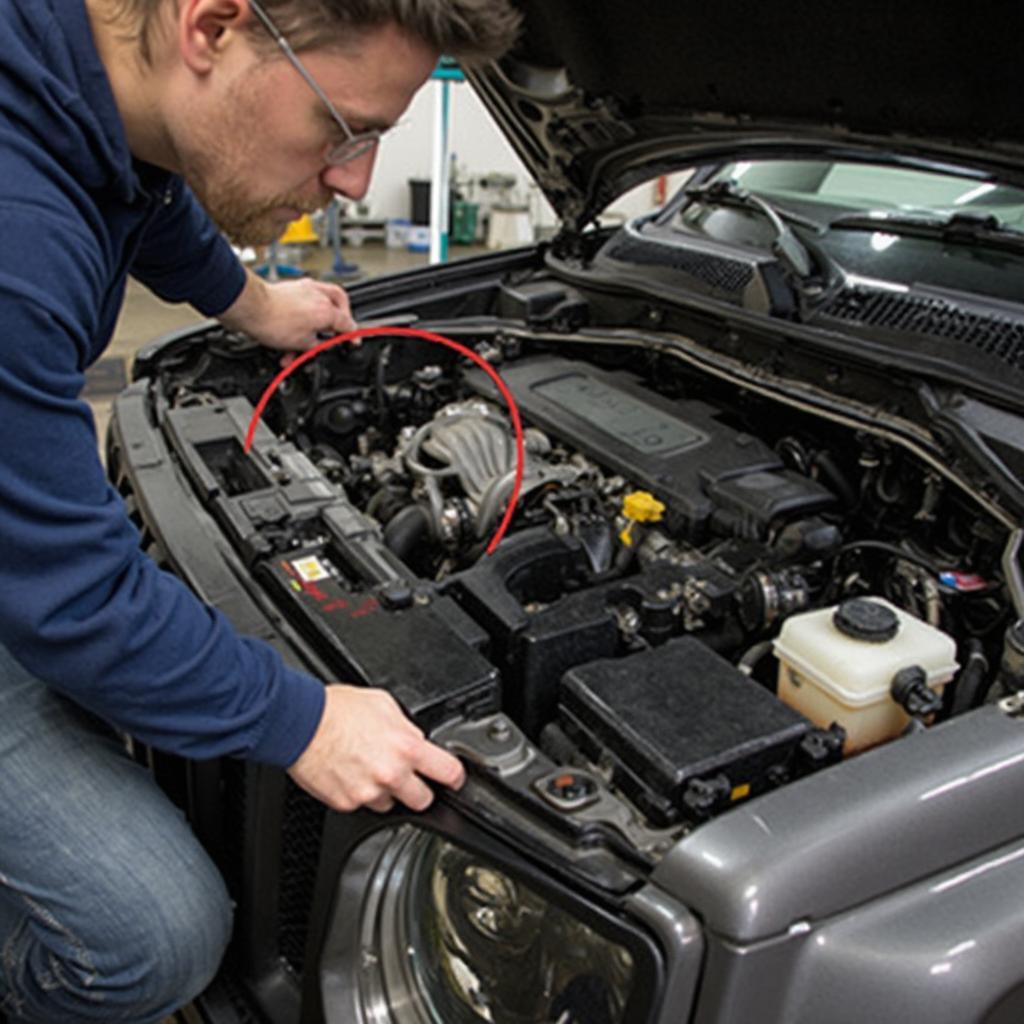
x=837 y=665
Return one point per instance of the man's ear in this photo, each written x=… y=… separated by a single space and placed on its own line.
x=205 y=28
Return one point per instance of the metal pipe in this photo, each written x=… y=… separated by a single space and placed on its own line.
x=1012 y=571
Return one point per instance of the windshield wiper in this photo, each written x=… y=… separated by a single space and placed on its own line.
x=786 y=246
x=958 y=228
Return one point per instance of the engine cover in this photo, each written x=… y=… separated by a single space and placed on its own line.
x=714 y=479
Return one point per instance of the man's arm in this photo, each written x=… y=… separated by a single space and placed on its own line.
x=183 y=258
x=82 y=608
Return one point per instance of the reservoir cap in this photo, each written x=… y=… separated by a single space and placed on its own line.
x=866 y=620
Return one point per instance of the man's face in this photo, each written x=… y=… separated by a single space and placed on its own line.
x=253 y=148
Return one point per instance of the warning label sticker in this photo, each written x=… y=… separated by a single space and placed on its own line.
x=311 y=569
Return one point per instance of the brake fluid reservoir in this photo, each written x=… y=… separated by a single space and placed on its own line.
x=837 y=665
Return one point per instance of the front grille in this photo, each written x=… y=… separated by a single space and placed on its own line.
x=240 y=843
x=300 y=853
x=235 y=805
x=303 y=816
x=717 y=272
x=117 y=473
x=998 y=336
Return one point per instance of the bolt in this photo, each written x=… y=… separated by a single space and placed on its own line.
x=499 y=730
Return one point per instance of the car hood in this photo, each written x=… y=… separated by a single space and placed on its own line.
x=599 y=96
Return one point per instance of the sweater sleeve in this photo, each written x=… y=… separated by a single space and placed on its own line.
x=80 y=606
x=183 y=258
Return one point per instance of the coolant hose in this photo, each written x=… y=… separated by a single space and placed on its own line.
x=968 y=692
x=753 y=656
x=405 y=530
x=835 y=476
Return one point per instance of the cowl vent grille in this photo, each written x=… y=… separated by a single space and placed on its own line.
x=715 y=271
x=1000 y=337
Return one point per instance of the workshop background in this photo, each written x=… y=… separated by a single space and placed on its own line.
x=494 y=204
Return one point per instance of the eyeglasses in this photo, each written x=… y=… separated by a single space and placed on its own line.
x=355 y=144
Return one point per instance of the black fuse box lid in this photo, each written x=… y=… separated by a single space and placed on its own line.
x=676 y=716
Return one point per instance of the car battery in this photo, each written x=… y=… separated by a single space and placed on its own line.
x=424 y=651
x=684 y=733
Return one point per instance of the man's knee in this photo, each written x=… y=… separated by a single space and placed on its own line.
x=185 y=955
x=176 y=939
x=156 y=944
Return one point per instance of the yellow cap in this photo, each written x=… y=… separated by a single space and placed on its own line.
x=639 y=507
x=299 y=232
x=642 y=507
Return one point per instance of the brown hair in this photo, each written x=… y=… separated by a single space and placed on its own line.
x=472 y=30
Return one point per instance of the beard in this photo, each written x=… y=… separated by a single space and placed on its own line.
x=221 y=172
x=243 y=218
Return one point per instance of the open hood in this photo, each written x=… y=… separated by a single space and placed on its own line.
x=599 y=96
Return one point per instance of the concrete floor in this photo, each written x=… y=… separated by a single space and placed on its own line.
x=145 y=318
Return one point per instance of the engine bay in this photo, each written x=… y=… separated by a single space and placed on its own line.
x=669 y=525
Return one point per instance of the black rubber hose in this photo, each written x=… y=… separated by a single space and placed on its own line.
x=753 y=656
x=380 y=383
x=835 y=476
x=968 y=692
x=405 y=530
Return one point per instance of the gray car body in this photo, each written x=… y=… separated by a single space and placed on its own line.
x=873 y=892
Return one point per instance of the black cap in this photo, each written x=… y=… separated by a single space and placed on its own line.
x=866 y=620
x=395 y=594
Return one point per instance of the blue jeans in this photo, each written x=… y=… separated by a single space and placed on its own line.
x=109 y=908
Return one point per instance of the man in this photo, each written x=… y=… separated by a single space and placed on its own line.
x=109 y=910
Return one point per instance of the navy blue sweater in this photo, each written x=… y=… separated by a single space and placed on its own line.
x=80 y=606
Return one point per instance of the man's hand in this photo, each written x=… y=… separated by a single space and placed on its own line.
x=366 y=753
x=288 y=315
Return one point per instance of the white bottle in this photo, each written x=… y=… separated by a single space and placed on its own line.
x=837 y=665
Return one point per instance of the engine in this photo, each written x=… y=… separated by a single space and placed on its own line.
x=611 y=437
x=643 y=617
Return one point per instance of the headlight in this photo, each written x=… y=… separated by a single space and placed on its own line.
x=447 y=937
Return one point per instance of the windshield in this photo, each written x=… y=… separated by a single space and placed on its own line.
x=865 y=188
x=906 y=226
